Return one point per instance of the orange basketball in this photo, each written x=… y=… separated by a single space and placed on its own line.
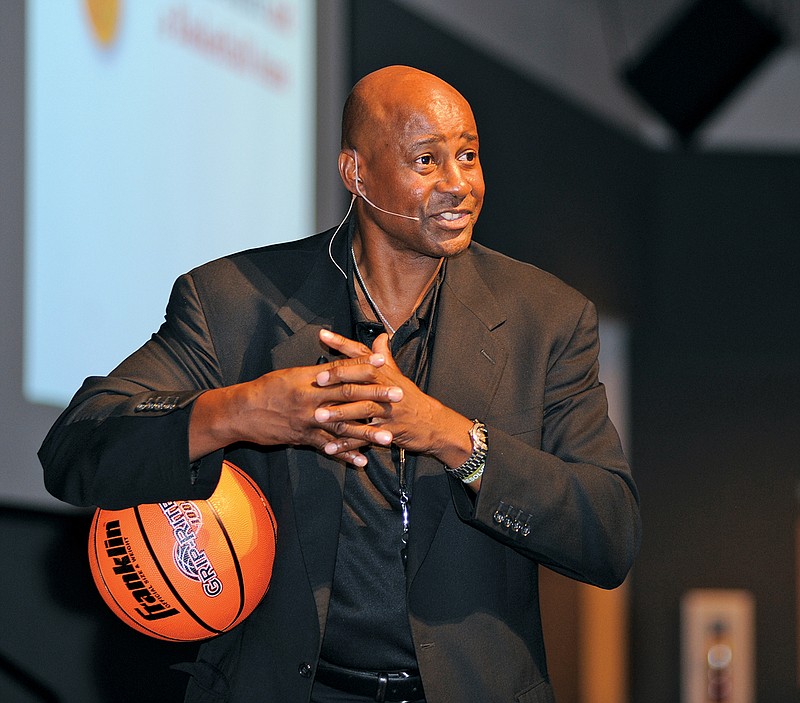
x=186 y=570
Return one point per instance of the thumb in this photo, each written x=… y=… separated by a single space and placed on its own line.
x=381 y=346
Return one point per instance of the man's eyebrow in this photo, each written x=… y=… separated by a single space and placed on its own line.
x=436 y=138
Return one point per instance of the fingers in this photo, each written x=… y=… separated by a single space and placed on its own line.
x=348 y=347
x=349 y=435
x=350 y=457
x=346 y=449
x=351 y=425
x=358 y=392
x=358 y=367
x=359 y=410
x=352 y=381
x=348 y=371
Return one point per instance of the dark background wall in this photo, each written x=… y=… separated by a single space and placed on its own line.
x=58 y=640
x=715 y=412
x=698 y=252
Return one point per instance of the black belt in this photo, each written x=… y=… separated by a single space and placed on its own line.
x=378 y=685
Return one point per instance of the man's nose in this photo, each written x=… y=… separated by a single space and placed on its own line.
x=454 y=179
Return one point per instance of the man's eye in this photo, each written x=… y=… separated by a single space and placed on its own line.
x=425 y=160
x=469 y=156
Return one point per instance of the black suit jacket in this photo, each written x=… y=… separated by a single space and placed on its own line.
x=514 y=347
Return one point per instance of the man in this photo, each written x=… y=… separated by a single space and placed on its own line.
x=423 y=414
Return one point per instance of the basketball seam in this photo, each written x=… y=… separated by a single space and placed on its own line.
x=237 y=565
x=121 y=610
x=167 y=581
x=267 y=509
x=260 y=494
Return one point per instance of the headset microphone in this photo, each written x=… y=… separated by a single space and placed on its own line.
x=358 y=190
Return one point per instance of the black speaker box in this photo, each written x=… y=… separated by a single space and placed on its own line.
x=698 y=61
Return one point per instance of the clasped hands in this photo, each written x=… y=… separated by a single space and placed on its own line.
x=374 y=402
x=338 y=408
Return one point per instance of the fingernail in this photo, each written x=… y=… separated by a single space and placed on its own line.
x=377 y=359
x=326 y=334
x=331 y=448
x=360 y=460
x=322 y=414
x=395 y=394
x=383 y=437
x=323 y=377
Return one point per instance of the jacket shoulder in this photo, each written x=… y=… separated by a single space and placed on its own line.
x=274 y=258
x=512 y=280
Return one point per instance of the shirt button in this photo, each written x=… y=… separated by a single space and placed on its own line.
x=305 y=669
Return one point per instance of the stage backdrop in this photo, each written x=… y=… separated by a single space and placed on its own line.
x=160 y=135
x=140 y=139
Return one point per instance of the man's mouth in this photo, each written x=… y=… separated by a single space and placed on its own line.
x=450 y=218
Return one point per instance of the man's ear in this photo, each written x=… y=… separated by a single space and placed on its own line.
x=347 y=170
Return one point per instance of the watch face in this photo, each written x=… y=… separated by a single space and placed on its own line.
x=474 y=464
x=479 y=436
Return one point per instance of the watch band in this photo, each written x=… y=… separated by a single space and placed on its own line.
x=472 y=469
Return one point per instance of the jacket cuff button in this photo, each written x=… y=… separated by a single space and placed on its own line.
x=305 y=670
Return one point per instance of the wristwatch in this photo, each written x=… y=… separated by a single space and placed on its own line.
x=472 y=469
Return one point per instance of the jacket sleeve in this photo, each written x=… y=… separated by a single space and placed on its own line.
x=123 y=439
x=569 y=500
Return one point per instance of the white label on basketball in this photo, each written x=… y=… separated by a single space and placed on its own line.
x=186 y=521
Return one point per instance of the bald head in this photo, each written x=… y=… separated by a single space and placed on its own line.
x=410 y=155
x=381 y=97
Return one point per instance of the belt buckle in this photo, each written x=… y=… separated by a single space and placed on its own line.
x=383 y=682
x=385 y=679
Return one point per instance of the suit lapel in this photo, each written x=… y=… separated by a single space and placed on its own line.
x=466 y=366
x=317 y=482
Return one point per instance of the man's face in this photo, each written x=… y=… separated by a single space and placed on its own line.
x=423 y=161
